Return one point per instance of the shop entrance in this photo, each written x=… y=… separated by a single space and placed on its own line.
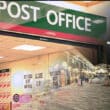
x=37 y=66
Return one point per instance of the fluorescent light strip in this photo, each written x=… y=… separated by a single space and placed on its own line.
x=86 y=1
x=1 y=57
x=26 y=47
x=108 y=42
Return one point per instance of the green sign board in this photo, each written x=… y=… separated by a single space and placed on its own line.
x=36 y=15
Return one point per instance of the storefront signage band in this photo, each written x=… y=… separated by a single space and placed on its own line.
x=60 y=18
x=42 y=16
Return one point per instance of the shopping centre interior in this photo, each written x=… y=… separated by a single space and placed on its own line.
x=35 y=67
x=40 y=72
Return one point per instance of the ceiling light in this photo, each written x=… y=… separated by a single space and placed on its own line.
x=1 y=56
x=108 y=42
x=87 y=1
x=28 y=47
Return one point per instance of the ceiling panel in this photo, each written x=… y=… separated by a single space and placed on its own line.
x=9 y=42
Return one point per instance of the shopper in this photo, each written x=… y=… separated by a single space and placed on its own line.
x=80 y=80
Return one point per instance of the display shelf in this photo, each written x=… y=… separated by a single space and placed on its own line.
x=5 y=89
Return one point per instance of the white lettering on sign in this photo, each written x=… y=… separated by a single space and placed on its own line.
x=18 y=10
x=3 y=5
x=35 y=9
x=26 y=15
x=70 y=21
x=21 y=11
x=61 y=19
x=87 y=24
x=78 y=20
x=52 y=22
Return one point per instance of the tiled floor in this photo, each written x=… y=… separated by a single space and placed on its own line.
x=74 y=97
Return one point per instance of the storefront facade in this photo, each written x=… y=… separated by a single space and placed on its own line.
x=38 y=21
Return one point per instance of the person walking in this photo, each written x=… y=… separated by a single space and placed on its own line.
x=81 y=77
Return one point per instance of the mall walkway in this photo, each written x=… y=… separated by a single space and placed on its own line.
x=74 y=97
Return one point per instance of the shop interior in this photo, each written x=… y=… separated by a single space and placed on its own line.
x=31 y=68
x=34 y=73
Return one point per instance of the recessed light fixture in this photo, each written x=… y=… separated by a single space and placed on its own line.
x=108 y=42
x=26 y=47
x=1 y=56
x=87 y=1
